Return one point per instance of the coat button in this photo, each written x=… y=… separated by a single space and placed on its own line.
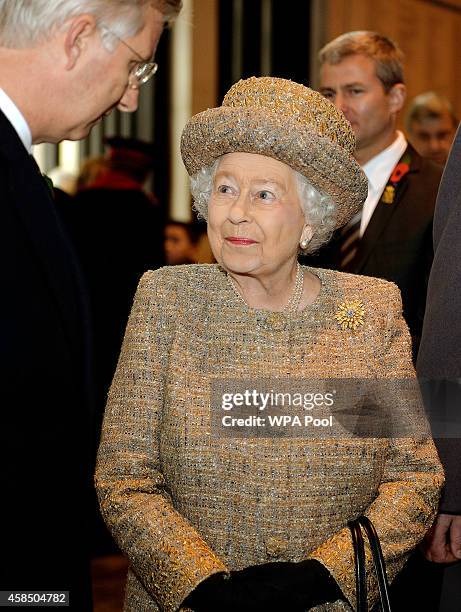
x=275 y=546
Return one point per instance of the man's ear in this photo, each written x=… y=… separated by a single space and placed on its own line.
x=80 y=28
x=397 y=95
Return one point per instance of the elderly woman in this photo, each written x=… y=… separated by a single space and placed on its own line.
x=218 y=523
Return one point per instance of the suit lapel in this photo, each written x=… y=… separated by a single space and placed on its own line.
x=32 y=200
x=384 y=212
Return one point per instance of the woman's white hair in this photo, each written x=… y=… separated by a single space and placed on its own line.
x=25 y=23
x=319 y=208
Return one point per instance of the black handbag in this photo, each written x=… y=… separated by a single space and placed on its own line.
x=356 y=527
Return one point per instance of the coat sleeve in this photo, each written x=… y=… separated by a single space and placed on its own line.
x=410 y=486
x=166 y=553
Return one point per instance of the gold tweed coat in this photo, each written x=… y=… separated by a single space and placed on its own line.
x=184 y=504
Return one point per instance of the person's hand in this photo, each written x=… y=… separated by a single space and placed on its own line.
x=270 y=587
x=245 y=593
x=442 y=543
x=235 y=592
x=214 y=593
x=289 y=586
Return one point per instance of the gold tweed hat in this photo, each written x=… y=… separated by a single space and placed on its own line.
x=289 y=122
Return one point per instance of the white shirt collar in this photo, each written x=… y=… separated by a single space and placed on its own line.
x=16 y=118
x=378 y=171
x=379 y=168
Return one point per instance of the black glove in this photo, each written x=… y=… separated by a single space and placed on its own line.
x=287 y=586
x=214 y=593
x=272 y=587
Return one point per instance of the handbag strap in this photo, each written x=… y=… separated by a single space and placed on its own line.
x=378 y=562
x=360 y=568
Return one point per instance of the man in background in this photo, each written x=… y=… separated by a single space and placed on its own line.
x=431 y=126
x=391 y=237
x=180 y=243
x=116 y=226
x=362 y=73
x=117 y=229
x=64 y=64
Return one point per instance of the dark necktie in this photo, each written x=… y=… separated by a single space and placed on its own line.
x=350 y=237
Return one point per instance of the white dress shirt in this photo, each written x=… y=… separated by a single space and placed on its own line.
x=16 y=118
x=378 y=171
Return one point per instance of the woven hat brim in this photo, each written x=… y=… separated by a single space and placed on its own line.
x=326 y=165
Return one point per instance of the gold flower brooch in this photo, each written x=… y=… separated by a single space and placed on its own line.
x=350 y=314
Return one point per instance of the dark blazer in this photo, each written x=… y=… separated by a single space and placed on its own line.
x=45 y=475
x=397 y=243
x=439 y=358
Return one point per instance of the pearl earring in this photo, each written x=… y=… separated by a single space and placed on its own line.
x=304 y=243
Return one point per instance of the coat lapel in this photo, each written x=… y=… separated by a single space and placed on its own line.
x=32 y=200
x=383 y=213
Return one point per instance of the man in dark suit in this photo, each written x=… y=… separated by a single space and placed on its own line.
x=439 y=366
x=56 y=82
x=362 y=74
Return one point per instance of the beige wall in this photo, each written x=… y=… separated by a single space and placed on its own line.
x=429 y=34
x=205 y=55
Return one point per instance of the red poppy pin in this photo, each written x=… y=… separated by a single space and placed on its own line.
x=397 y=174
x=399 y=171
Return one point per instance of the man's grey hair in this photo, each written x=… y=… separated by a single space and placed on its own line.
x=383 y=51
x=429 y=105
x=318 y=207
x=26 y=23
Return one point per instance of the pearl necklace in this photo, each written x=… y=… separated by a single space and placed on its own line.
x=293 y=303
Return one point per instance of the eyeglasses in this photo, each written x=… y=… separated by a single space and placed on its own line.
x=142 y=71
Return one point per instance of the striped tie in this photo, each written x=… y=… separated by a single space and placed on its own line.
x=350 y=236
